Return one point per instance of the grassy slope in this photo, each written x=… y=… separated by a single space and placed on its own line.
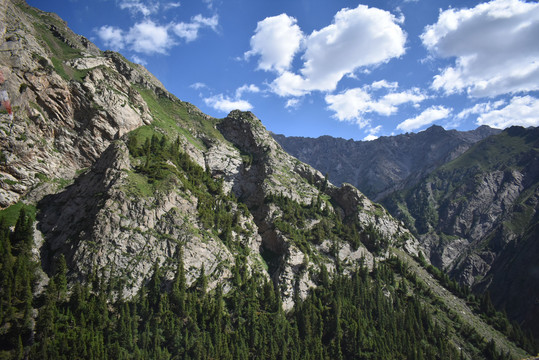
x=459 y=307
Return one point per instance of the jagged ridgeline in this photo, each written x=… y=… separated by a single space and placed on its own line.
x=135 y=226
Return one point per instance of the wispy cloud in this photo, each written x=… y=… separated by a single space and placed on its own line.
x=427 y=117
x=136 y=7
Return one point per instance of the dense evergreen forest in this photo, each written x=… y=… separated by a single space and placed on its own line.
x=366 y=315
x=380 y=314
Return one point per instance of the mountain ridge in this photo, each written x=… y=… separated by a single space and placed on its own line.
x=138 y=226
x=387 y=164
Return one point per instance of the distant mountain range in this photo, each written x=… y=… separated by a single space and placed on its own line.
x=379 y=167
x=470 y=197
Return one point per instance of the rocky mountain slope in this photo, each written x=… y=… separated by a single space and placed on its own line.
x=135 y=191
x=477 y=218
x=469 y=197
x=104 y=207
x=384 y=165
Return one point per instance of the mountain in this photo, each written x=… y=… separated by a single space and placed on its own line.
x=387 y=164
x=469 y=197
x=135 y=226
x=476 y=217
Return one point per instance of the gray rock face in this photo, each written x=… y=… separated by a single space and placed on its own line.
x=269 y=170
x=475 y=216
x=100 y=226
x=60 y=125
x=379 y=167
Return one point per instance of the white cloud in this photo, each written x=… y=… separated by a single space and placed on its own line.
x=370 y=137
x=225 y=104
x=276 y=40
x=171 y=5
x=210 y=22
x=292 y=103
x=495 y=46
x=372 y=133
x=427 y=117
x=522 y=110
x=198 y=86
x=246 y=88
x=479 y=109
x=357 y=38
x=138 y=60
x=353 y=104
x=384 y=84
x=112 y=37
x=147 y=37
x=136 y=6
x=189 y=31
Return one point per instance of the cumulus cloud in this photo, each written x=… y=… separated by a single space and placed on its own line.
x=148 y=37
x=226 y=104
x=189 y=31
x=521 y=110
x=276 y=41
x=353 y=104
x=358 y=38
x=427 y=117
x=112 y=37
x=495 y=46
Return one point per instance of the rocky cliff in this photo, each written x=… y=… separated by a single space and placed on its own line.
x=70 y=100
x=476 y=217
x=123 y=174
x=387 y=164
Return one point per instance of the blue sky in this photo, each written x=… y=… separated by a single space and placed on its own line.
x=343 y=68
